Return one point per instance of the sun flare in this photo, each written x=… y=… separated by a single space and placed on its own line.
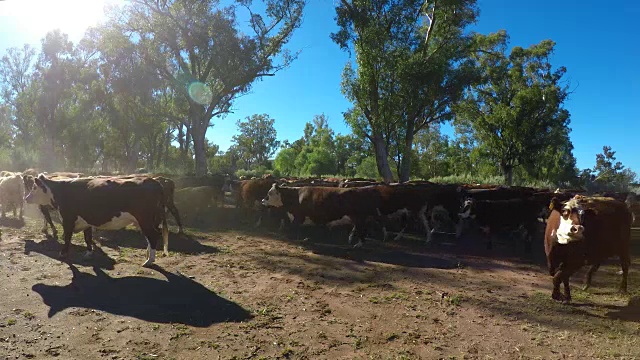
x=37 y=17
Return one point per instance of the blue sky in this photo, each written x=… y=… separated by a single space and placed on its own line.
x=596 y=41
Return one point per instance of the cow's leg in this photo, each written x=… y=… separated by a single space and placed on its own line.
x=153 y=235
x=557 y=280
x=176 y=215
x=88 y=239
x=487 y=238
x=625 y=261
x=22 y=211
x=47 y=220
x=359 y=229
x=567 y=290
x=422 y=215
x=352 y=234
x=592 y=270
x=67 y=233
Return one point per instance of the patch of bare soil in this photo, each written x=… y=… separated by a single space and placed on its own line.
x=238 y=293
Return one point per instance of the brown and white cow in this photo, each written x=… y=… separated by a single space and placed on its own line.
x=326 y=206
x=106 y=204
x=12 y=194
x=586 y=230
x=45 y=210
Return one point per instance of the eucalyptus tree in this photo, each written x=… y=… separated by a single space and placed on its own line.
x=199 y=47
x=412 y=64
x=517 y=112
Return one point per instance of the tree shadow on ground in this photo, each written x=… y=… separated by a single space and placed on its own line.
x=176 y=300
x=12 y=222
x=180 y=243
x=50 y=247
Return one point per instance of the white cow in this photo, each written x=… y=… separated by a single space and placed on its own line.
x=12 y=194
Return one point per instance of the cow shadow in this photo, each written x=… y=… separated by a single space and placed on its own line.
x=50 y=247
x=180 y=243
x=12 y=222
x=333 y=243
x=386 y=255
x=630 y=312
x=176 y=300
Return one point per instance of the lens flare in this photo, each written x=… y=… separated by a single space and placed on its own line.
x=200 y=93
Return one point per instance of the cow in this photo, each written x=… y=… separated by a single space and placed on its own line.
x=216 y=181
x=45 y=210
x=326 y=206
x=633 y=202
x=586 y=231
x=194 y=200
x=493 y=216
x=358 y=183
x=419 y=201
x=12 y=194
x=168 y=189
x=249 y=195
x=106 y=204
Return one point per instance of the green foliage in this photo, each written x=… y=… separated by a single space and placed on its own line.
x=257 y=140
x=608 y=174
x=517 y=112
x=285 y=162
x=198 y=48
x=368 y=168
x=412 y=64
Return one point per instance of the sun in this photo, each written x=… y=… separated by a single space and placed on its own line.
x=35 y=18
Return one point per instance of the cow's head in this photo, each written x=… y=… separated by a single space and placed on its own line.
x=274 y=197
x=570 y=227
x=40 y=193
x=29 y=182
x=467 y=209
x=227 y=185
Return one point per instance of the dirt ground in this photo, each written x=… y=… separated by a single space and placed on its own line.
x=228 y=291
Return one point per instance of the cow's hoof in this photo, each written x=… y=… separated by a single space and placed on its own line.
x=165 y=253
x=586 y=287
x=147 y=264
x=358 y=245
x=557 y=296
x=566 y=301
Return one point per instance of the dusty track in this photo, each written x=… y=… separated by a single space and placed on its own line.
x=227 y=292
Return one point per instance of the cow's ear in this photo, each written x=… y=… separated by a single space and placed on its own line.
x=42 y=177
x=555 y=204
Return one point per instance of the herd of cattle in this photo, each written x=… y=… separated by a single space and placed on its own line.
x=580 y=230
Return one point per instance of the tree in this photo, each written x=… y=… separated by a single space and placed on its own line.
x=518 y=110
x=411 y=65
x=257 y=140
x=285 y=162
x=609 y=174
x=198 y=48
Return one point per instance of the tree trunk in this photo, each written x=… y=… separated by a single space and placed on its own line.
x=405 y=164
x=132 y=156
x=382 y=159
x=199 y=150
x=507 y=171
